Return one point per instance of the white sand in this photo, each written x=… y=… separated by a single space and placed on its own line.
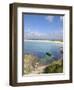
x=50 y=41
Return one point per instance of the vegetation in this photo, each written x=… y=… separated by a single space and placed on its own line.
x=30 y=63
x=54 y=67
x=33 y=64
x=49 y=54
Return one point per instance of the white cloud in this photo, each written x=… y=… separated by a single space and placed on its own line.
x=36 y=33
x=61 y=18
x=28 y=29
x=33 y=35
x=50 y=18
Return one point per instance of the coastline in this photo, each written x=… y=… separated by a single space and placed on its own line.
x=49 y=41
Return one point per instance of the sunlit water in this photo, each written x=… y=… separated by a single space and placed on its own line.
x=40 y=49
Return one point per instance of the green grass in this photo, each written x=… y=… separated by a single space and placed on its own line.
x=54 y=67
x=30 y=62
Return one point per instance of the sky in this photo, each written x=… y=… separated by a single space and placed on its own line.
x=43 y=27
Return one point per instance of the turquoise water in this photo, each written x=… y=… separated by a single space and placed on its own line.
x=40 y=49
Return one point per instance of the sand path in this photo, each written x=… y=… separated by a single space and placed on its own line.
x=39 y=70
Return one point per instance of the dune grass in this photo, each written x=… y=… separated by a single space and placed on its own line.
x=54 y=67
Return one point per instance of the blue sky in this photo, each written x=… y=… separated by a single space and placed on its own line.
x=43 y=27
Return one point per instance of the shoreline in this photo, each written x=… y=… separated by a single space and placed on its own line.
x=50 y=41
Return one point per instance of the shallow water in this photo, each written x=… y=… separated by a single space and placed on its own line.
x=40 y=49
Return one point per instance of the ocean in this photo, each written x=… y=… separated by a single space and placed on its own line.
x=40 y=48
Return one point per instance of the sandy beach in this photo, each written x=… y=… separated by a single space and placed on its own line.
x=50 y=41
